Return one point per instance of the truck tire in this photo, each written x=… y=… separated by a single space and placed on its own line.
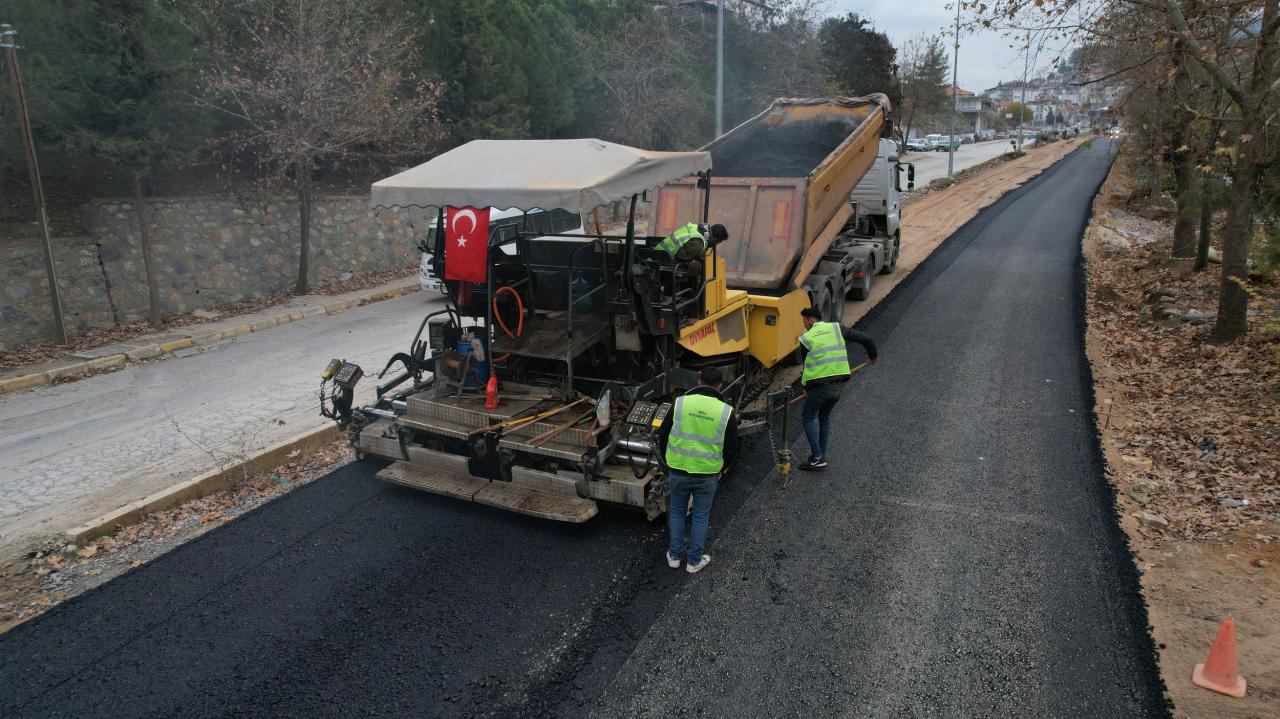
x=891 y=264
x=836 y=305
x=862 y=289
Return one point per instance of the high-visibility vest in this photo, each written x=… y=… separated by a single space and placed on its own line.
x=672 y=243
x=696 y=442
x=827 y=356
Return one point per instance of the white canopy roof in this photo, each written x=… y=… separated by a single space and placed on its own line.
x=574 y=175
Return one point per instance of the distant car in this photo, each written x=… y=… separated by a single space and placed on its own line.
x=918 y=144
x=946 y=143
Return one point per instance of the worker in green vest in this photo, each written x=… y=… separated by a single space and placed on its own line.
x=826 y=370
x=697 y=440
x=686 y=247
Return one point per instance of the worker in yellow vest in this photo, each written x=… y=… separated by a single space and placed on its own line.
x=697 y=440
x=826 y=370
x=686 y=246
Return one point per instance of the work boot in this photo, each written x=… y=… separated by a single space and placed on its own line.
x=814 y=464
x=701 y=565
x=673 y=562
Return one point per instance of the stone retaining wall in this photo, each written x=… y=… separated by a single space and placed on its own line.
x=25 y=314
x=208 y=252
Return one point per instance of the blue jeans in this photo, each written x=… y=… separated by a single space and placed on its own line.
x=816 y=414
x=679 y=487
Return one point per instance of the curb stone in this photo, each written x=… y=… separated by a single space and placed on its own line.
x=78 y=369
x=201 y=485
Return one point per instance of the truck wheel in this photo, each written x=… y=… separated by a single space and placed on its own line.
x=862 y=290
x=891 y=265
x=836 y=308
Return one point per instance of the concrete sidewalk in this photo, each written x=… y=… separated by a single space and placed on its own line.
x=153 y=345
x=77 y=450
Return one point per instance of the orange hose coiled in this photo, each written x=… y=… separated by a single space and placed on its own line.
x=498 y=316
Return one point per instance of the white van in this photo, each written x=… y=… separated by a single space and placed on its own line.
x=502 y=223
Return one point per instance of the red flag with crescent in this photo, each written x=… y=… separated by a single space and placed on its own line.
x=466 y=244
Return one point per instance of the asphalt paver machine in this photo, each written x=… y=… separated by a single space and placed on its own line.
x=589 y=338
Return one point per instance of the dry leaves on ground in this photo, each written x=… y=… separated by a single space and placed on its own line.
x=1198 y=424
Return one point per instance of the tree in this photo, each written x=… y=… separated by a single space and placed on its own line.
x=316 y=81
x=856 y=59
x=650 y=89
x=133 y=107
x=924 y=81
x=1237 y=46
x=1021 y=114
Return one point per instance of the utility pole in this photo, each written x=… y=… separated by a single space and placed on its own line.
x=719 y=68
x=9 y=41
x=1022 y=106
x=955 y=91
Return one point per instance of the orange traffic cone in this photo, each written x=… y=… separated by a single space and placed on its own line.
x=1218 y=673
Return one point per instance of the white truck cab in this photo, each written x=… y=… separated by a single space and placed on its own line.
x=501 y=224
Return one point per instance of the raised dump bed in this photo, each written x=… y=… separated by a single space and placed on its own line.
x=781 y=185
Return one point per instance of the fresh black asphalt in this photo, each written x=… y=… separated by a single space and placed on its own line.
x=959 y=559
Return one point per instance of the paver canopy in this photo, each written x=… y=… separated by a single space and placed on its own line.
x=573 y=175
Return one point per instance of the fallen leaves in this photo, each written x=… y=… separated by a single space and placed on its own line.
x=1197 y=426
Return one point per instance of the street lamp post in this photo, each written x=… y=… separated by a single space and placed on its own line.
x=1022 y=106
x=955 y=66
x=719 y=68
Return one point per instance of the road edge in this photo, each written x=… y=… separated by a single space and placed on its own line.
x=77 y=370
x=202 y=485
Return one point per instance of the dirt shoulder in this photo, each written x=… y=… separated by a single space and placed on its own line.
x=1191 y=433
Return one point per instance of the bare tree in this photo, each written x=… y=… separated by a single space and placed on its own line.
x=1237 y=46
x=645 y=85
x=923 y=69
x=313 y=81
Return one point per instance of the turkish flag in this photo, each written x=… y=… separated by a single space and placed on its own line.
x=466 y=244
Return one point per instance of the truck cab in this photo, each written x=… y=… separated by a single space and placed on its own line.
x=872 y=238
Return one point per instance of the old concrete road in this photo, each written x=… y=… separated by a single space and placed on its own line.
x=959 y=559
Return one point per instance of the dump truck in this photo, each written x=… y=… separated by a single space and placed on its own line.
x=540 y=387
x=809 y=191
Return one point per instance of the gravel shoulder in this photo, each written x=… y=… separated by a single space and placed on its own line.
x=1192 y=439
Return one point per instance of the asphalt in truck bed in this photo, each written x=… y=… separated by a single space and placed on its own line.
x=960 y=558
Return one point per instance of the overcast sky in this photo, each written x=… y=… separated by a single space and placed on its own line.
x=985 y=59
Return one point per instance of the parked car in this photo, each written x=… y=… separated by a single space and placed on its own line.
x=919 y=144
x=946 y=142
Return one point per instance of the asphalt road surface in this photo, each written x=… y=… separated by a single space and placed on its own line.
x=959 y=559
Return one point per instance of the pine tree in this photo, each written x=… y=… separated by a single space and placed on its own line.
x=857 y=60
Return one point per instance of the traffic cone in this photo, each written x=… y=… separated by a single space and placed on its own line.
x=1218 y=673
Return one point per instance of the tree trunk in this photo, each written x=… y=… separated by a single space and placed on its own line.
x=148 y=265
x=1184 y=162
x=1233 y=300
x=1206 y=228
x=304 y=226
